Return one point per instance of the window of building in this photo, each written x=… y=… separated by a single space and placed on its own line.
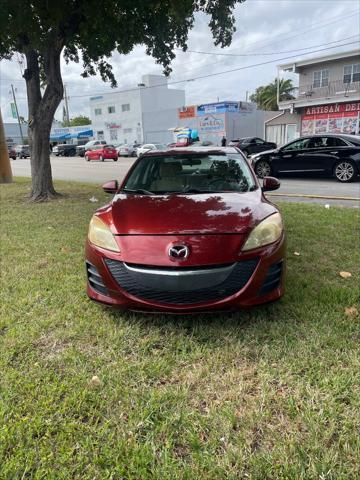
x=125 y=107
x=321 y=78
x=100 y=134
x=113 y=134
x=127 y=130
x=97 y=111
x=352 y=73
x=111 y=109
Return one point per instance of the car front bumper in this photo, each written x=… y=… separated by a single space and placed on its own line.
x=254 y=278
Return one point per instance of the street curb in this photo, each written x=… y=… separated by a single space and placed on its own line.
x=325 y=197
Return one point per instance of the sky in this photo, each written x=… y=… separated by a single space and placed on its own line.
x=285 y=28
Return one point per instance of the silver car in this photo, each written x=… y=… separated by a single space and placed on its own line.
x=128 y=150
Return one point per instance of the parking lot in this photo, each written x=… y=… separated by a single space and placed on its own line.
x=323 y=191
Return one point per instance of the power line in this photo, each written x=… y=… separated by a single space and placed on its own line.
x=250 y=54
x=320 y=24
x=214 y=74
x=300 y=32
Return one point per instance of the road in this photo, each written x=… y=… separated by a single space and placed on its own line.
x=77 y=169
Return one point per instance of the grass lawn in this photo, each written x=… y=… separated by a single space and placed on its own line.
x=271 y=393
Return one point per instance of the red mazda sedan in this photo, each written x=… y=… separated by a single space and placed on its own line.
x=102 y=152
x=187 y=231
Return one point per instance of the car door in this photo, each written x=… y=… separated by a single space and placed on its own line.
x=289 y=159
x=319 y=157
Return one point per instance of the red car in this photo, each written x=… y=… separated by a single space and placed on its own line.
x=102 y=152
x=188 y=230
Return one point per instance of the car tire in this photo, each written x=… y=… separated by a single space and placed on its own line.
x=87 y=158
x=115 y=159
x=344 y=171
x=262 y=169
x=72 y=153
x=133 y=154
x=101 y=158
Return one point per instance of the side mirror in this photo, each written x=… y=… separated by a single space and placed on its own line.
x=111 y=187
x=270 y=183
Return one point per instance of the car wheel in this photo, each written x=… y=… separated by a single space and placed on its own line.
x=101 y=158
x=133 y=154
x=344 y=171
x=115 y=159
x=87 y=158
x=263 y=168
x=72 y=153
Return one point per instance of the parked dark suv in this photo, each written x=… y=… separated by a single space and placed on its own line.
x=251 y=145
x=325 y=155
x=22 y=151
x=64 y=150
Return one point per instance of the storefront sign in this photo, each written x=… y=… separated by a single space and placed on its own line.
x=187 y=112
x=220 y=107
x=334 y=108
x=211 y=123
x=334 y=118
x=112 y=125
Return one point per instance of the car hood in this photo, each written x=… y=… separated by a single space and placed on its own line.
x=130 y=214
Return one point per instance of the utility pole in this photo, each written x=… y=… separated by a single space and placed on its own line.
x=66 y=106
x=17 y=114
x=247 y=95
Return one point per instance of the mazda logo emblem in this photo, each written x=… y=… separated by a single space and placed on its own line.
x=178 y=252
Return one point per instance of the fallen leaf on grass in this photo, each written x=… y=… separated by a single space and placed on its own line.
x=93 y=199
x=95 y=381
x=351 y=311
x=345 y=274
x=297 y=254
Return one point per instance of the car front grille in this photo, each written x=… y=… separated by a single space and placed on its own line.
x=95 y=280
x=272 y=279
x=181 y=286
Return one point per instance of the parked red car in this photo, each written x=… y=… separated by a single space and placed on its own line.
x=188 y=230
x=102 y=152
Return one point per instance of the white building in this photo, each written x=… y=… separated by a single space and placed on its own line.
x=143 y=113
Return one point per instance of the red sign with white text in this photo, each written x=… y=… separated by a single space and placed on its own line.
x=332 y=118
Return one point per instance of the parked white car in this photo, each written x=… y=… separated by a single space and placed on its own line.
x=128 y=150
x=147 y=147
x=93 y=143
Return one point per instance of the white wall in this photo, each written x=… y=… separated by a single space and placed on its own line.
x=153 y=110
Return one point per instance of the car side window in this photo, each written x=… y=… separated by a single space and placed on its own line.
x=339 y=142
x=297 y=145
x=318 y=142
x=258 y=141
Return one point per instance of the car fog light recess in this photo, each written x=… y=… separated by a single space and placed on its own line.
x=268 y=231
x=101 y=236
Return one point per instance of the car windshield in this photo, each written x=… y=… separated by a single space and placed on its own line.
x=190 y=173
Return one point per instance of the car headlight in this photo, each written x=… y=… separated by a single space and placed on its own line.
x=101 y=236
x=268 y=231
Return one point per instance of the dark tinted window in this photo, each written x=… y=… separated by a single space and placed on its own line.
x=297 y=145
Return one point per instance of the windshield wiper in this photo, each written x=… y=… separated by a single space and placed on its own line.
x=137 y=190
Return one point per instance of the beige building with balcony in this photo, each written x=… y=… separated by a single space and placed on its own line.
x=326 y=101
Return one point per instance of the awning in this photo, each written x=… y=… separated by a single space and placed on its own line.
x=83 y=134
x=56 y=138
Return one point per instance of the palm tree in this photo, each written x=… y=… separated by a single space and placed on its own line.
x=266 y=96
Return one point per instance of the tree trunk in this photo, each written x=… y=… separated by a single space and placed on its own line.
x=41 y=115
x=5 y=167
